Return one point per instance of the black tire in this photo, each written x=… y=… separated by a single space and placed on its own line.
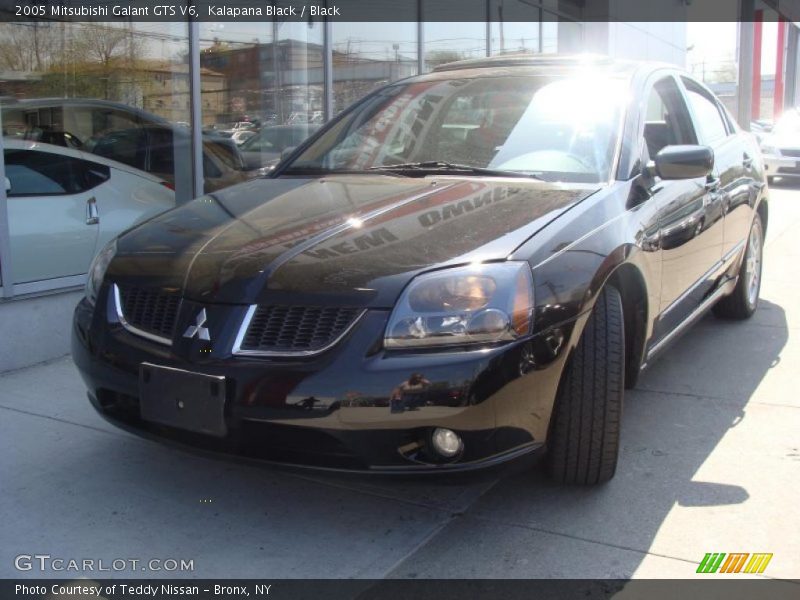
x=743 y=301
x=584 y=438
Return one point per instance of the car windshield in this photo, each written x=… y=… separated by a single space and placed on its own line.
x=552 y=128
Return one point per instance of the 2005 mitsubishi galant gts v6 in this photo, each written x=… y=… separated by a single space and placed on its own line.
x=462 y=268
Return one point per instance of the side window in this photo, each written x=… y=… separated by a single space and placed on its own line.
x=127 y=147
x=707 y=117
x=209 y=168
x=92 y=174
x=33 y=173
x=299 y=135
x=39 y=173
x=227 y=155
x=666 y=118
x=162 y=151
x=267 y=140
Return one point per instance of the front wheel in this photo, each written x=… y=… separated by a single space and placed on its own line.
x=584 y=438
x=743 y=301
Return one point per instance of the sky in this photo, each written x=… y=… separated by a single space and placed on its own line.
x=715 y=43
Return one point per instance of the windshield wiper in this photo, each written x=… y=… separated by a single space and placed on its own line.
x=439 y=166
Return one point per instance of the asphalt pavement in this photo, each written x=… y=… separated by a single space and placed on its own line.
x=710 y=462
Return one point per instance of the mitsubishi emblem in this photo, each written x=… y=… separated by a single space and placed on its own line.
x=198 y=329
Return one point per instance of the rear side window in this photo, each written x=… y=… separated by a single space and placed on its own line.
x=33 y=173
x=707 y=116
x=227 y=155
x=162 y=151
x=127 y=147
x=209 y=168
x=299 y=135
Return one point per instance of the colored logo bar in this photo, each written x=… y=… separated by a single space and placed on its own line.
x=737 y=562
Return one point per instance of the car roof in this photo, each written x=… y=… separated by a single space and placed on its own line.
x=542 y=64
x=26 y=103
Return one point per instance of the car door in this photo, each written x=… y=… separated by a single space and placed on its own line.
x=161 y=153
x=733 y=163
x=52 y=215
x=689 y=214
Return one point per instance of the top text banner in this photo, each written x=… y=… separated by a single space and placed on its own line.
x=392 y=10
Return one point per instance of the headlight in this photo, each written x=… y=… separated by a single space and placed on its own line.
x=466 y=305
x=97 y=270
x=766 y=149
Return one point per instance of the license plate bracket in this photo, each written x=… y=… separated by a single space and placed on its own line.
x=182 y=399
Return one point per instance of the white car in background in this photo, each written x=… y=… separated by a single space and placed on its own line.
x=65 y=204
x=242 y=135
x=781 y=147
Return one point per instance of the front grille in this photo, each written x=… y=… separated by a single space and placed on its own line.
x=151 y=311
x=793 y=152
x=296 y=329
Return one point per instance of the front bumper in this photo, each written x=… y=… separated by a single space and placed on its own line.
x=341 y=409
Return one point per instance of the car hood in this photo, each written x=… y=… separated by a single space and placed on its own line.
x=348 y=240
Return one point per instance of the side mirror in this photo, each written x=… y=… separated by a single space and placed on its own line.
x=287 y=151
x=8 y=184
x=684 y=162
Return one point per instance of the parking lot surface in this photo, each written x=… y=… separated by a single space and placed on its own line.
x=710 y=462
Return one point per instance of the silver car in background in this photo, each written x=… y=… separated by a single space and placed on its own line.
x=781 y=147
x=65 y=204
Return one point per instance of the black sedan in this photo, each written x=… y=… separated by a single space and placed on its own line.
x=463 y=268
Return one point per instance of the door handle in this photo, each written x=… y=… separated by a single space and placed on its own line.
x=92 y=216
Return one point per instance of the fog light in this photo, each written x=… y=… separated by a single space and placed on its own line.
x=446 y=442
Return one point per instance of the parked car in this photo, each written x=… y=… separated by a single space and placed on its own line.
x=269 y=143
x=64 y=205
x=242 y=135
x=395 y=299
x=123 y=133
x=153 y=149
x=69 y=122
x=781 y=147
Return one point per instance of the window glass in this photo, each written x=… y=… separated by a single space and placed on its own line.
x=447 y=42
x=93 y=174
x=544 y=126
x=515 y=27
x=666 y=118
x=209 y=168
x=266 y=139
x=95 y=86
x=34 y=172
x=161 y=154
x=707 y=117
x=258 y=76
x=561 y=35
x=128 y=146
x=27 y=181
x=369 y=55
x=40 y=173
